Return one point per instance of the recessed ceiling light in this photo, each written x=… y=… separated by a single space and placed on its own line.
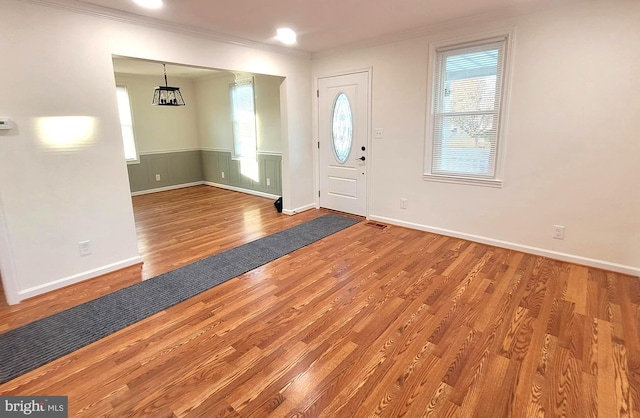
x=150 y=4
x=286 y=36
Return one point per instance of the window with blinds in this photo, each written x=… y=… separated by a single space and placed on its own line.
x=126 y=123
x=243 y=112
x=467 y=100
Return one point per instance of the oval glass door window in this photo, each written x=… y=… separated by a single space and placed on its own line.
x=342 y=128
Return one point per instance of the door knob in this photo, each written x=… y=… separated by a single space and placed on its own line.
x=361 y=158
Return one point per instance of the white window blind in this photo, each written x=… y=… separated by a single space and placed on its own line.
x=244 y=119
x=468 y=83
x=126 y=123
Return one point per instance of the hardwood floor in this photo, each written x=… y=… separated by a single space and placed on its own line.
x=367 y=322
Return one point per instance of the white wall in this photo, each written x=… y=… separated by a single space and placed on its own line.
x=58 y=63
x=214 y=112
x=161 y=128
x=572 y=147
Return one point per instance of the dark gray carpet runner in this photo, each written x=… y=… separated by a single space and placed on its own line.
x=33 y=345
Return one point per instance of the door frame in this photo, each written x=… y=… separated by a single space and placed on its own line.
x=316 y=131
x=7 y=267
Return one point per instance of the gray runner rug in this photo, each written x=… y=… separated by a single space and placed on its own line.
x=38 y=343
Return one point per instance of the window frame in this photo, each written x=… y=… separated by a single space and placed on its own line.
x=135 y=160
x=234 y=154
x=460 y=43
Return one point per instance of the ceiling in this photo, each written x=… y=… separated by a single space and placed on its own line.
x=134 y=66
x=321 y=24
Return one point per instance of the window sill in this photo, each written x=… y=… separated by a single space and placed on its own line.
x=131 y=162
x=463 y=180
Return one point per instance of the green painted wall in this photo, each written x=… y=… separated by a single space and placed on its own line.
x=266 y=177
x=185 y=167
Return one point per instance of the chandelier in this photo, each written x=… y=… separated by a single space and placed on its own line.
x=167 y=96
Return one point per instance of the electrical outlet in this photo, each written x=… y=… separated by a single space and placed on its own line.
x=378 y=133
x=403 y=203
x=84 y=247
x=268 y=181
x=558 y=232
x=223 y=174
x=157 y=177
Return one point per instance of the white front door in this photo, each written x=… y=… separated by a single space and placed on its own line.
x=343 y=125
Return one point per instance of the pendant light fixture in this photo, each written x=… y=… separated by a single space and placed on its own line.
x=167 y=96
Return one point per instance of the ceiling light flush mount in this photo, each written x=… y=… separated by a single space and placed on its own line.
x=167 y=96
x=149 y=4
x=286 y=36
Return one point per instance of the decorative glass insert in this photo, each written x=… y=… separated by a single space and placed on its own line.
x=342 y=128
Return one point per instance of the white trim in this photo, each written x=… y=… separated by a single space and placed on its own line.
x=454 y=25
x=241 y=190
x=341 y=73
x=85 y=8
x=369 y=167
x=7 y=265
x=215 y=149
x=168 y=151
x=208 y=183
x=469 y=42
x=273 y=153
x=463 y=180
x=508 y=35
x=315 y=108
x=77 y=278
x=164 y=189
x=570 y=258
x=300 y=209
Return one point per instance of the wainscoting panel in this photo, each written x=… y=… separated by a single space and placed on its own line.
x=185 y=167
x=138 y=176
x=174 y=168
x=159 y=166
x=209 y=166
x=223 y=166
x=249 y=178
x=272 y=174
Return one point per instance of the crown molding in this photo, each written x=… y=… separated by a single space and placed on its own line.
x=453 y=25
x=81 y=7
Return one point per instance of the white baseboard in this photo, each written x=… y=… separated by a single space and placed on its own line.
x=300 y=209
x=570 y=258
x=164 y=189
x=241 y=190
x=76 y=278
x=208 y=183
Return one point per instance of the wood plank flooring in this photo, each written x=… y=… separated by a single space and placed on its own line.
x=368 y=322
